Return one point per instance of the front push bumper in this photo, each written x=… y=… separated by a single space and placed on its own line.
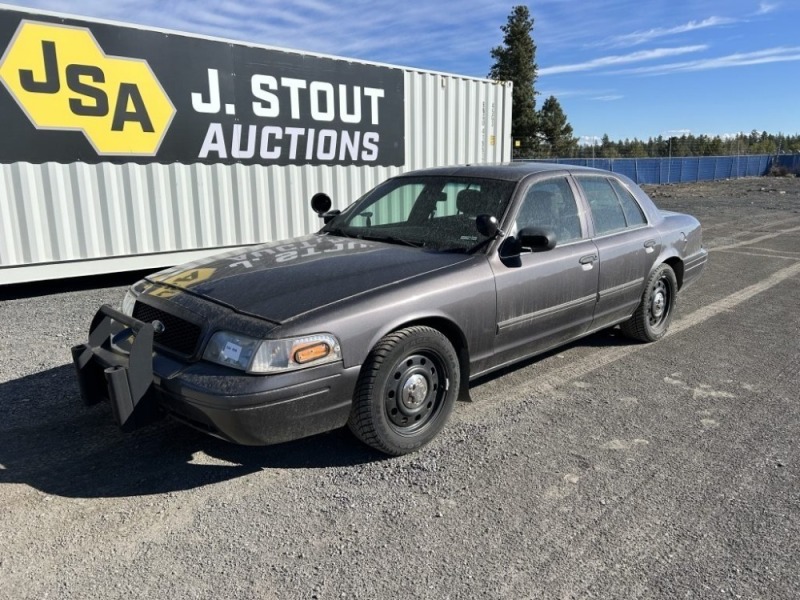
x=119 y=364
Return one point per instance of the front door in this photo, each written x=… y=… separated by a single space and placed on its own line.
x=546 y=298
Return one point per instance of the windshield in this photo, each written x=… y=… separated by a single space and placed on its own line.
x=432 y=212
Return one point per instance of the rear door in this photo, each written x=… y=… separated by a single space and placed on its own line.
x=626 y=243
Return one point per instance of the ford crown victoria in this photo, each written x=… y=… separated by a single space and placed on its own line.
x=380 y=319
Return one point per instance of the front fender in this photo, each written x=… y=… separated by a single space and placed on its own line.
x=464 y=299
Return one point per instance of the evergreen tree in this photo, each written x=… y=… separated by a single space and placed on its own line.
x=515 y=61
x=636 y=149
x=700 y=145
x=555 y=131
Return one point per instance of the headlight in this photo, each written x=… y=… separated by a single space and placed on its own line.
x=272 y=356
x=232 y=350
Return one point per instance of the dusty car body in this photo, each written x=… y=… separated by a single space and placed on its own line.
x=382 y=318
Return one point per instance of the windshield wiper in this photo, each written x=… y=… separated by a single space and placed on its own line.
x=478 y=246
x=340 y=232
x=391 y=240
x=462 y=250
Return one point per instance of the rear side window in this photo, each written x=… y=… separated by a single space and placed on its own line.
x=613 y=207
x=607 y=211
x=633 y=212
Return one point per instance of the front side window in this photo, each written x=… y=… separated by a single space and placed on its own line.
x=435 y=212
x=551 y=205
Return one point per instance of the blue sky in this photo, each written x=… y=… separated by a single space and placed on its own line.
x=626 y=68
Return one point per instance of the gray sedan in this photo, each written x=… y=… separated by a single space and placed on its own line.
x=380 y=320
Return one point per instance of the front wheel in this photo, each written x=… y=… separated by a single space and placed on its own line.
x=406 y=390
x=653 y=315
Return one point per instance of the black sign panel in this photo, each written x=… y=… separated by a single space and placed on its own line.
x=81 y=91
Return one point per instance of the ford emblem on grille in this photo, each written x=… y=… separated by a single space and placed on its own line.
x=159 y=327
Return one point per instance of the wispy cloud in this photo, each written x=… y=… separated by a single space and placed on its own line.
x=450 y=35
x=609 y=61
x=642 y=37
x=766 y=7
x=600 y=95
x=589 y=140
x=741 y=59
x=575 y=92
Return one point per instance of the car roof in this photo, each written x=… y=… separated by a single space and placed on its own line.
x=514 y=171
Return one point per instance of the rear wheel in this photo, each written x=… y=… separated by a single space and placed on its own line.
x=406 y=390
x=654 y=314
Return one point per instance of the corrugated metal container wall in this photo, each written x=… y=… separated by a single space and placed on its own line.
x=60 y=220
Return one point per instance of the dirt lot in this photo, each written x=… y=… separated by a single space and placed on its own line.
x=604 y=470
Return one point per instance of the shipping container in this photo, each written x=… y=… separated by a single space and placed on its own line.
x=127 y=147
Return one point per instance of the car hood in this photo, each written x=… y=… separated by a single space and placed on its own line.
x=281 y=281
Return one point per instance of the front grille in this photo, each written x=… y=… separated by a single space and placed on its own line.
x=178 y=335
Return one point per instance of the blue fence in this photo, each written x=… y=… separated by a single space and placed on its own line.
x=682 y=170
x=789 y=161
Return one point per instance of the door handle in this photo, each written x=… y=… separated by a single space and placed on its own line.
x=649 y=243
x=588 y=259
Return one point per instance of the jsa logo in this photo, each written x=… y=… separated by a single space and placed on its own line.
x=62 y=79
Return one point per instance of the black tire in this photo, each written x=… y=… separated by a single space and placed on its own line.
x=654 y=314
x=406 y=390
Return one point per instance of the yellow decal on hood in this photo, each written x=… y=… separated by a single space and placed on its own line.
x=184 y=279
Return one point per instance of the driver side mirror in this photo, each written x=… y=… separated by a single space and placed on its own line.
x=529 y=239
x=538 y=240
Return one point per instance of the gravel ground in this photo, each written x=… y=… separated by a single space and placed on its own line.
x=604 y=470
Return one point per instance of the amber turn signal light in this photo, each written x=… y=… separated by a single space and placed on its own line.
x=311 y=352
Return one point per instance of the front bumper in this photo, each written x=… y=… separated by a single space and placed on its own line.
x=119 y=364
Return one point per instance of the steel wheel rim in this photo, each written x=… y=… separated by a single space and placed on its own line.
x=660 y=303
x=414 y=392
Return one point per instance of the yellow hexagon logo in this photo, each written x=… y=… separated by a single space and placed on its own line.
x=184 y=278
x=62 y=79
